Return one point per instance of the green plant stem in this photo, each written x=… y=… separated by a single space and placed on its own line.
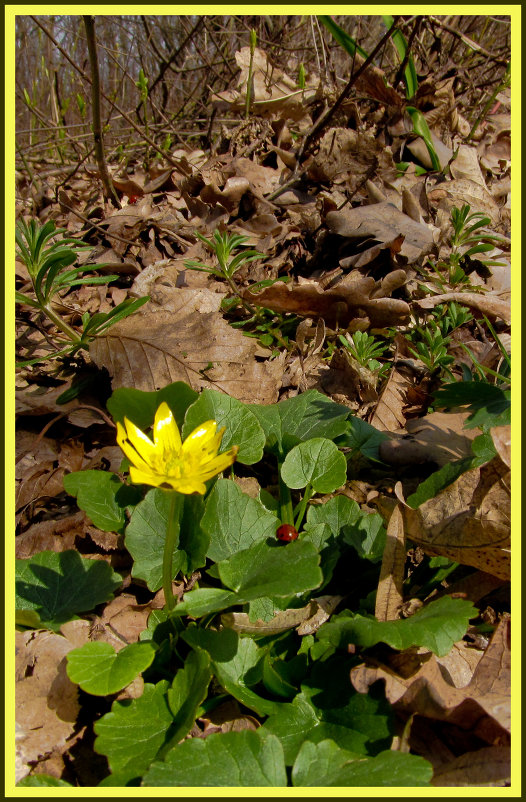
x=233 y=286
x=309 y=492
x=172 y=532
x=61 y=324
x=286 y=513
x=503 y=85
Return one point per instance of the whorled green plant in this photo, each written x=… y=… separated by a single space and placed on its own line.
x=50 y=263
x=224 y=245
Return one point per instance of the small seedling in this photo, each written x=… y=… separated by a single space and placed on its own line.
x=47 y=262
x=224 y=245
x=431 y=347
x=365 y=348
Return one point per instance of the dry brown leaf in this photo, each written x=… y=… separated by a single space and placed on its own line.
x=438 y=437
x=308 y=619
x=346 y=156
x=273 y=92
x=182 y=342
x=482 y=706
x=389 y=595
x=487 y=304
x=486 y=767
x=46 y=700
x=385 y=223
x=345 y=303
x=53 y=535
x=464 y=190
x=468 y=521
x=501 y=436
x=466 y=165
x=227 y=717
x=388 y=415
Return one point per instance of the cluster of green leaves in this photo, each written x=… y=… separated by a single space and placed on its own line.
x=467 y=242
x=317 y=730
x=365 y=349
x=50 y=266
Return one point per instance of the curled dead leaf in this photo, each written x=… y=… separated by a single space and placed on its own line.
x=469 y=521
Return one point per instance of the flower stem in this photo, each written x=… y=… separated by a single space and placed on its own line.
x=73 y=335
x=285 y=501
x=172 y=532
x=309 y=492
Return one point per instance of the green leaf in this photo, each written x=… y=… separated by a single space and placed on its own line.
x=240 y=671
x=136 y=731
x=347 y=42
x=421 y=128
x=234 y=521
x=367 y=536
x=140 y=406
x=230 y=759
x=58 y=585
x=41 y=781
x=102 y=496
x=145 y=537
x=337 y=512
x=357 y=722
x=363 y=437
x=317 y=462
x=272 y=570
x=488 y=404
x=410 y=77
x=438 y=481
x=437 y=626
x=203 y=601
x=188 y=690
x=101 y=671
x=327 y=765
x=289 y=422
x=242 y=427
x=132 y=733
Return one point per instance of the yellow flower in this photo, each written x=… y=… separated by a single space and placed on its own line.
x=167 y=460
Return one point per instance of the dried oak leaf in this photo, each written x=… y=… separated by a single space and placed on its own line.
x=487 y=304
x=348 y=301
x=273 y=92
x=385 y=223
x=182 y=342
x=469 y=521
x=439 y=437
x=46 y=700
x=347 y=156
x=483 y=705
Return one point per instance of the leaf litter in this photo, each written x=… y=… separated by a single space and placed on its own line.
x=352 y=236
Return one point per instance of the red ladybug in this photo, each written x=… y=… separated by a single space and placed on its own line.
x=286 y=533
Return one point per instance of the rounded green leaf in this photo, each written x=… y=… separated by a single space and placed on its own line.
x=317 y=462
x=100 y=670
x=58 y=585
x=234 y=521
x=326 y=764
x=242 y=427
x=229 y=759
x=102 y=496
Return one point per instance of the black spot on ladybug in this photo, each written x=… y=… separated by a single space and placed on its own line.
x=286 y=533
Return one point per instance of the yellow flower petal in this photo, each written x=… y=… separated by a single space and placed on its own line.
x=146 y=477
x=218 y=464
x=165 y=432
x=189 y=485
x=141 y=442
x=129 y=451
x=203 y=443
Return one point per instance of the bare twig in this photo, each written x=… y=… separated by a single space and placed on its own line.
x=109 y=191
